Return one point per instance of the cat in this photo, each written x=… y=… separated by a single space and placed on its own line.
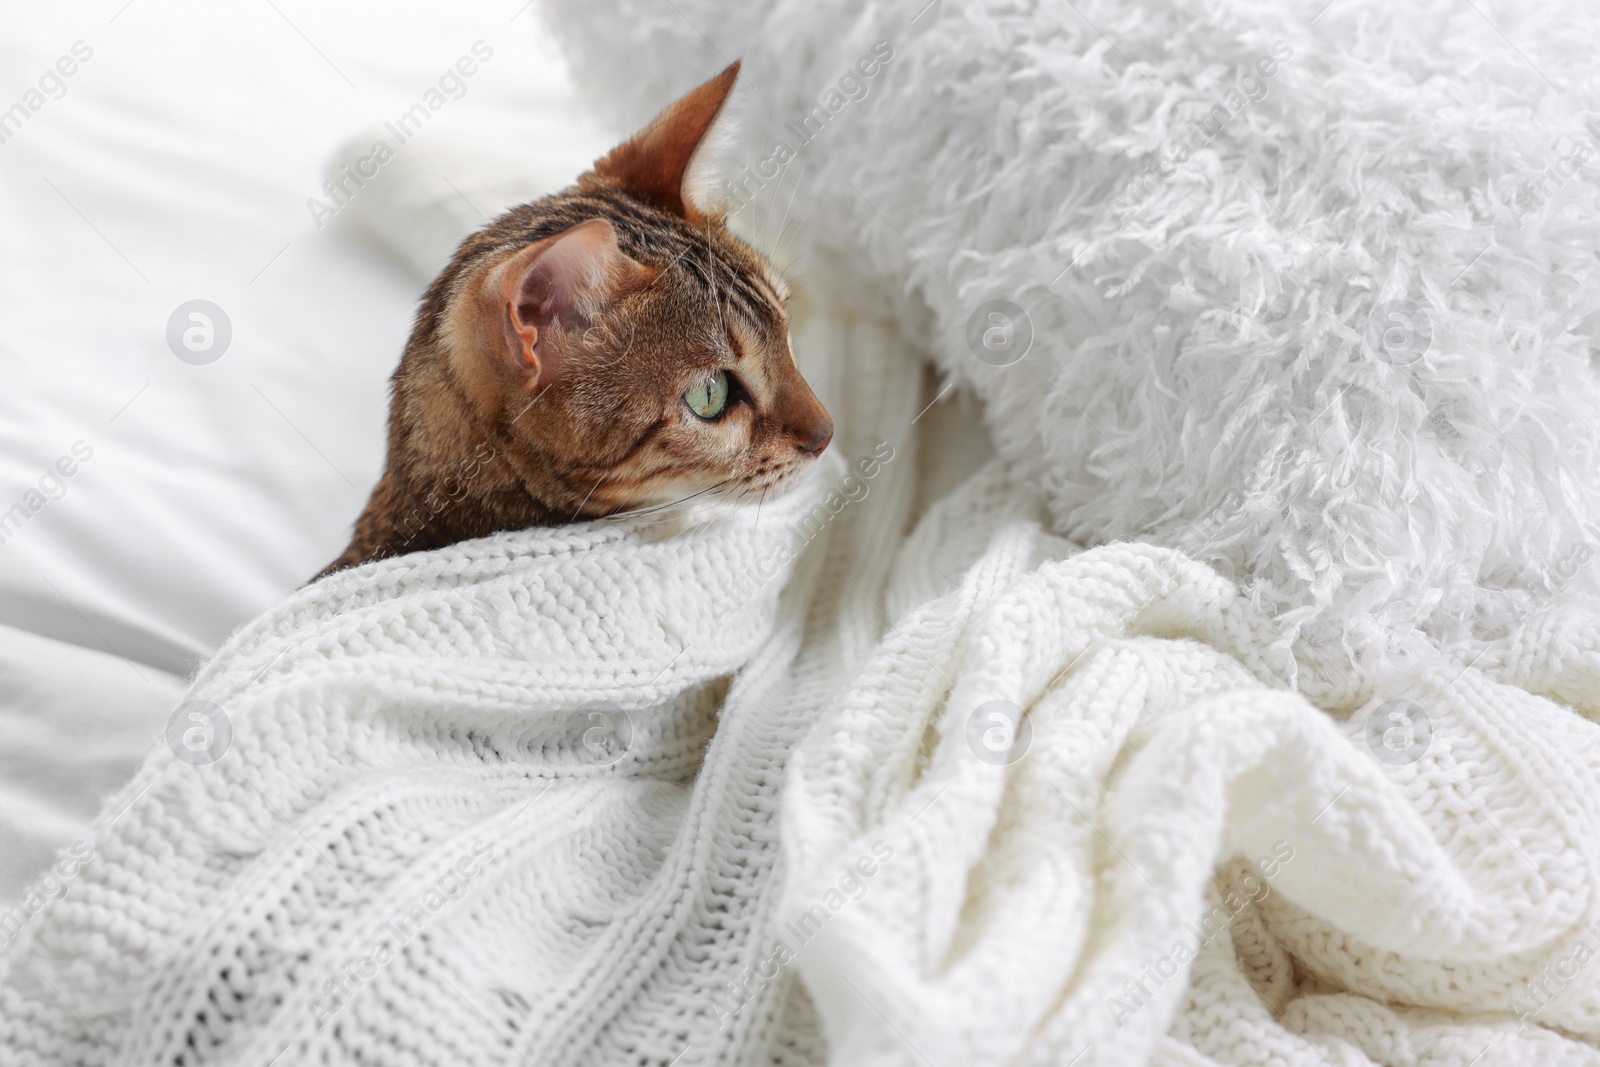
x=607 y=349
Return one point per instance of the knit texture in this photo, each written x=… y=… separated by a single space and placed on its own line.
x=1182 y=860
x=470 y=811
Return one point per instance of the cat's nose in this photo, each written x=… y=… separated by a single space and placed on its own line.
x=814 y=439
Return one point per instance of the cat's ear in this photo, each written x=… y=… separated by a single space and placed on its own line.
x=674 y=162
x=557 y=287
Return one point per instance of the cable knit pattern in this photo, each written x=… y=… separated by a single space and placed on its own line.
x=416 y=848
x=1436 y=910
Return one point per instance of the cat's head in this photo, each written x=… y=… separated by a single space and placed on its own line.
x=622 y=346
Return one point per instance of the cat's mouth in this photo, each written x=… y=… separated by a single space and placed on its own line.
x=783 y=478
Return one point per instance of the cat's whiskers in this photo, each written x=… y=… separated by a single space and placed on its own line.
x=684 y=510
x=585 y=503
x=655 y=508
x=711 y=273
x=799 y=227
x=532 y=402
x=763 y=500
x=784 y=270
x=658 y=514
x=784 y=224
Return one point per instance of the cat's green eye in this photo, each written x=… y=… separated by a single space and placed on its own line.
x=709 y=397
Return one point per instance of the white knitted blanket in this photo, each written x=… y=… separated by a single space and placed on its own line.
x=441 y=809
x=498 y=803
x=1176 y=859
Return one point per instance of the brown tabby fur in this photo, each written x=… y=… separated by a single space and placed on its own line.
x=487 y=433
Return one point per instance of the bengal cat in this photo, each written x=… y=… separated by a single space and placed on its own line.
x=609 y=348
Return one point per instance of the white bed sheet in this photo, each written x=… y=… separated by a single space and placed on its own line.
x=75 y=724
x=176 y=166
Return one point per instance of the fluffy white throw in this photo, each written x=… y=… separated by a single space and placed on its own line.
x=1311 y=286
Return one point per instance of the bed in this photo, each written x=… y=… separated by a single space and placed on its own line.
x=177 y=164
x=1211 y=681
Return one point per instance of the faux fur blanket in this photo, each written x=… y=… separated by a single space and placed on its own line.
x=1307 y=291
x=1297 y=764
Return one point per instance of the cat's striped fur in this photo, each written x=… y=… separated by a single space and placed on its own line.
x=564 y=400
